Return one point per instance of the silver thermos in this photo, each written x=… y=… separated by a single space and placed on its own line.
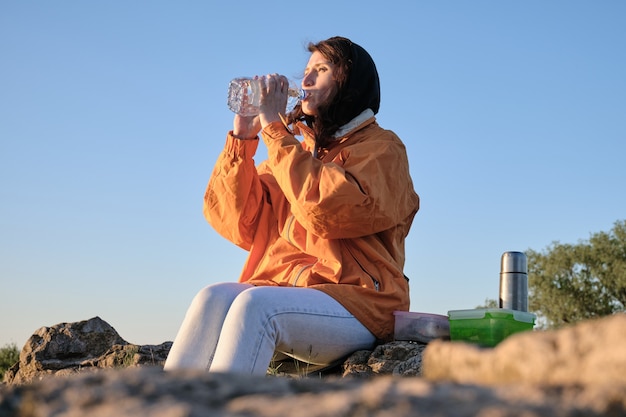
x=514 y=281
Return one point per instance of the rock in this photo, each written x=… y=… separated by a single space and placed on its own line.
x=121 y=356
x=67 y=348
x=147 y=391
x=357 y=364
x=591 y=352
x=575 y=371
x=394 y=358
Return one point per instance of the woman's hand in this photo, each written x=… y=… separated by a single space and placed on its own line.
x=274 y=89
x=246 y=127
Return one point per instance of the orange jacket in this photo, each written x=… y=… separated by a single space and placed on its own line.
x=337 y=223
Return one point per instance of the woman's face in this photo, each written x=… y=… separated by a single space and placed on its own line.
x=318 y=83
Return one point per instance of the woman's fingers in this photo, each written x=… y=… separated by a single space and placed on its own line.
x=275 y=82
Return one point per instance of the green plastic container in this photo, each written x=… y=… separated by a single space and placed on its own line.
x=488 y=326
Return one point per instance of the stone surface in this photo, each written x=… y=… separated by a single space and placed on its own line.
x=592 y=352
x=147 y=391
x=575 y=371
x=395 y=358
x=68 y=348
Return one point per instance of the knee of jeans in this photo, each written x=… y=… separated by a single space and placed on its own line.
x=209 y=295
x=217 y=297
x=202 y=297
x=256 y=301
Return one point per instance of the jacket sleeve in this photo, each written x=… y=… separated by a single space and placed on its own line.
x=234 y=196
x=365 y=189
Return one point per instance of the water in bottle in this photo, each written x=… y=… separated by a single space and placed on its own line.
x=244 y=96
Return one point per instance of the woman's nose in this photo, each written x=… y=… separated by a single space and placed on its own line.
x=308 y=80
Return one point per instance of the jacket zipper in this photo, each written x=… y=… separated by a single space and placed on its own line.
x=295 y=281
x=374 y=280
x=289 y=224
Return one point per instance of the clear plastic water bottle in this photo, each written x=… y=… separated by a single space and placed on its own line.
x=244 y=96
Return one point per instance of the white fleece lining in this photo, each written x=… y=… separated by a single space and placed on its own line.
x=354 y=123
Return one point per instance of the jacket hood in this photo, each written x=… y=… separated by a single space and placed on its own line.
x=363 y=85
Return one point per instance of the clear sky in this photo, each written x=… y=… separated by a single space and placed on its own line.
x=112 y=115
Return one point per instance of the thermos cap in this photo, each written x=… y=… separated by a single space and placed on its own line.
x=514 y=262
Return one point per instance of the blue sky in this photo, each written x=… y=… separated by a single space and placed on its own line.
x=112 y=115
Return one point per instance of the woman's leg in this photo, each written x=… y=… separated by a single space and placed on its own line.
x=198 y=335
x=304 y=323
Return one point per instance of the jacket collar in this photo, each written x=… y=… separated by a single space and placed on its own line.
x=354 y=123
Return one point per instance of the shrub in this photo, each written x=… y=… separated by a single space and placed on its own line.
x=9 y=355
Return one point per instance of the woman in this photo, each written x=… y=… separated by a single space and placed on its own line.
x=324 y=220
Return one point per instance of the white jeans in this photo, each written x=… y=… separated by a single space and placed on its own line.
x=235 y=327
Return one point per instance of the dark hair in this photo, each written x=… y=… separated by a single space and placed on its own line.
x=358 y=88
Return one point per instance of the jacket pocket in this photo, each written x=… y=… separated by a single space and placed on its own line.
x=375 y=282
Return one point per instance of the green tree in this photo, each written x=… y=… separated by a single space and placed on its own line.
x=489 y=303
x=570 y=283
x=9 y=355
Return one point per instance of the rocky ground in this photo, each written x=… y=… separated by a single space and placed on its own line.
x=576 y=371
x=150 y=392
